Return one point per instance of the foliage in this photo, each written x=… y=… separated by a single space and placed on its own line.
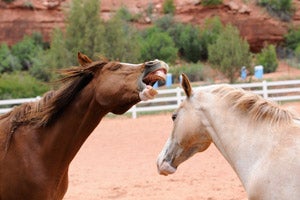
x=8 y=1
x=292 y=38
x=280 y=8
x=121 y=41
x=297 y=53
x=26 y=49
x=209 y=34
x=84 y=30
x=157 y=44
x=211 y=2
x=195 y=71
x=267 y=58
x=191 y=41
x=123 y=13
x=20 y=85
x=229 y=53
x=8 y=62
x=169 y=7
x=46 y=62
x=185 y=37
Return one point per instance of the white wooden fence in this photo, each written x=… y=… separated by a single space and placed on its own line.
x=169 y=99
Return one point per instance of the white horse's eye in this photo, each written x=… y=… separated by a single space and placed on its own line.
x=174 y=116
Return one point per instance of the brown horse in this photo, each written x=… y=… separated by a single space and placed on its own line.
x=39 y=140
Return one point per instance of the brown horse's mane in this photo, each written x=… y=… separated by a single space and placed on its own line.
x=47 y=109
x=256 y=107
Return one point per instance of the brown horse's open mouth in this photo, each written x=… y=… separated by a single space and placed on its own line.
x=157 y=75
x=155 y=71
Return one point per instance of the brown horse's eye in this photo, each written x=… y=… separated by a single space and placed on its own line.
x=174 y=116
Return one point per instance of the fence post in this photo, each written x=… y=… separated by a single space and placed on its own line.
x=178 y=95
x=265 y=89
x=134 y=112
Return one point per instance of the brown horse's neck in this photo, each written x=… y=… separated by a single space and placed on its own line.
x=67 y=134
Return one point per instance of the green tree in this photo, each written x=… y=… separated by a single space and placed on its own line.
x=121 y=41
x=268 y=59
x=8 y=62
x=20 y=85
x=229 y=53
x=157 y=44
x=169 y=7
x=209 y=34
x=57 y=57
x=211 y=2
x=292 y=38
x=25 y=51
x=84 y=30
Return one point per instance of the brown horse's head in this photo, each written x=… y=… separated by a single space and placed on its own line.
x=119 y=85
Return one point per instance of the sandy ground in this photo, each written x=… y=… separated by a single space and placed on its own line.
x=118 y=162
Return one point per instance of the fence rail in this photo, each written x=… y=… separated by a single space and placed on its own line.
x=169 y=99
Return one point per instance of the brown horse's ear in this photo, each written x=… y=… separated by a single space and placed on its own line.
x=186 y=85
x=83 y=59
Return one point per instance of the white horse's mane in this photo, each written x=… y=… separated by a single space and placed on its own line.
x=258 y=108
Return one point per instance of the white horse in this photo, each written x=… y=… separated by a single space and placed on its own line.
x=260 y=140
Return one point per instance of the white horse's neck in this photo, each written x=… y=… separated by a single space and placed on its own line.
x=242 y=144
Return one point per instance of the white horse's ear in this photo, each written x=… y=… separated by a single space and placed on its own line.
x=186 y=85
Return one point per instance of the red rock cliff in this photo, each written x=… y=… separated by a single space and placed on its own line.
x=24 y=17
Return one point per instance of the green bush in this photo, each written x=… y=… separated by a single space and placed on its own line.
x=211 y=2
x=195 y=72
x=169 y=7
x=157 y=44
x=292 y=38
x=267 y=58
x=191 y=42
x=229 y=53
x=209 y=34
x=297 y=53
x=26 y=50
x=185 y=36
x=8 y=62
x=121 y=41
x=280 y=8
x=20 y=85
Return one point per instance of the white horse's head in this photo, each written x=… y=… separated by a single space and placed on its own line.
x=189 y=134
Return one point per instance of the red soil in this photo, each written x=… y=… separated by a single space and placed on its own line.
x=118 y=161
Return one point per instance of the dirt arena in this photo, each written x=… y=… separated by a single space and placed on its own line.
x=118 y=162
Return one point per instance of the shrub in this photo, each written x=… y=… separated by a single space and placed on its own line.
x=229 y=53
x=26 y=50
x=280 y=8
x=47 y=61
x=8 y=62
x=20 y=85
x=211 y=2
x=292 y=38
x=185 y=37
x=157 y=44
x=168 y=7
x=195 y=72
x=120 y=41
x=209 y=34
x=267 y=58
x=84 y=29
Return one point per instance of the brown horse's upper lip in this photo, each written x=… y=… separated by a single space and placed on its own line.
x=156 y=75
x=155 y=71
